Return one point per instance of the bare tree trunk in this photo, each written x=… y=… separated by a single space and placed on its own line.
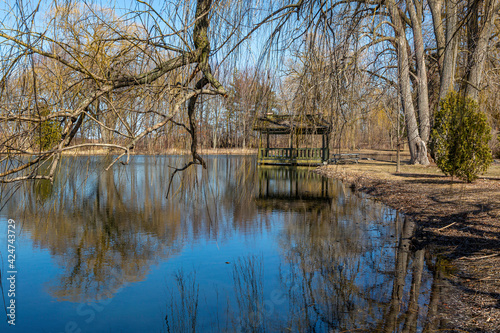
x=418 y=148
x=244 y=145
x=415 y=8
x=451 y=49
x=215 y=129
x=479 y=41
x=436 y=7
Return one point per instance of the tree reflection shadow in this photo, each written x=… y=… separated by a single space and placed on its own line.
x=182 y=311
x=335 y=285
x=248 y=288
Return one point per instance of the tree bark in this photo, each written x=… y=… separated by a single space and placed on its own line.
x=415 y=8
x=478 y=43
x=450 y=51
x=436 y=7
x=418 y=148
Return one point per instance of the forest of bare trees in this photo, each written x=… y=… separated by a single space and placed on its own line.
x=194 y=74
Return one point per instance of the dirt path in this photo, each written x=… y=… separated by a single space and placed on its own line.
x=458 y=220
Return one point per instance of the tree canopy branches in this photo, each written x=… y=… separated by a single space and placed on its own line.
x=75 y=75
x=89 y=68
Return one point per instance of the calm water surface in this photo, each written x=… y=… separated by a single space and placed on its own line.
x=234 y=248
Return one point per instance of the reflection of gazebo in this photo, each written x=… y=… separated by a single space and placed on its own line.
x=293 y=126
x=292 y=189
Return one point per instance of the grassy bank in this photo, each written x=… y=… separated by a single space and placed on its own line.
x=458 y=220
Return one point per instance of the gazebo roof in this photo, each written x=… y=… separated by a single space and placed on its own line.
x=285 y=124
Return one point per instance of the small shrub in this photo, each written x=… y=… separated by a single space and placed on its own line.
x=459 y=138
x=50 y=131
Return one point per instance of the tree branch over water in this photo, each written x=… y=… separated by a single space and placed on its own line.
x=96 y=67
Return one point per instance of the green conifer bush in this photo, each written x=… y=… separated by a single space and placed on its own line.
x=459 y=138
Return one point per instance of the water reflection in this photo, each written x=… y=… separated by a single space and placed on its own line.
x=292 y=188
x=101 y=233
x=103 y=225
x=348 y=264
x=323 y=291
x=236 y=248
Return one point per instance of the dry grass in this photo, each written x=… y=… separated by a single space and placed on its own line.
x=91 y=151
x=172 y=151
x=387 y=170
x=229 y=151
x=457 y=219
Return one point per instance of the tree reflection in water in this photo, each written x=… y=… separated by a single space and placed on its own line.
x=349 y=264
x=182 y=317
x=249 y=292
x=343 y=262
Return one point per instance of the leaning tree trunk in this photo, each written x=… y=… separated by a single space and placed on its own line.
x=418 y=148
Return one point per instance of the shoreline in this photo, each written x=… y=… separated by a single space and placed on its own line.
x=456 y=220
x=167 y=152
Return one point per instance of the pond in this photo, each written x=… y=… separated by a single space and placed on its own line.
x=234 y=248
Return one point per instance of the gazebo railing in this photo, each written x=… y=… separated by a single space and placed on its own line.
x=298 y=154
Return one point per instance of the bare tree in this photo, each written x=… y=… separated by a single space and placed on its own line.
x=90 y=67
x=390 y=27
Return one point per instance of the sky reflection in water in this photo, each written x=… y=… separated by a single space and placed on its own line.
x=235 y=248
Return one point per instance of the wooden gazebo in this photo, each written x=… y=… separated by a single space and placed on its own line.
x=292 y=126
